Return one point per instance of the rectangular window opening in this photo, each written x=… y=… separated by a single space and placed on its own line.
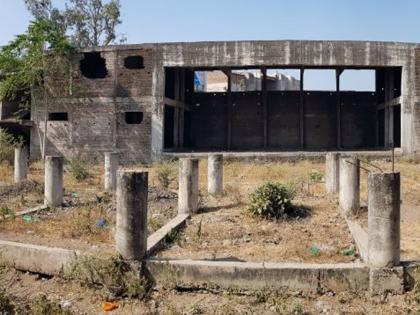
x=319 y=80
x=62 y=116
x=358 y=80
x=246 y=80
x=283 y=79
x=133 y=118
x=210 y=81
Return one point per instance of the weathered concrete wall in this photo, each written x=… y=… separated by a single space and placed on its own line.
x=96 y=104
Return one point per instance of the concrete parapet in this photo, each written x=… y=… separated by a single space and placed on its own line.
x=384 y=219
x=332 y=171
x=53 y=190
x=21 y=164
x=188 y=186
x=215 y=174
x=131 y=225
x=349 y=183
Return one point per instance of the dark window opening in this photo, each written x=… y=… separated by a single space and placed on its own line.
x=169 y=127
x=93 y=66
x=170 y=83
x=133 y=118
x=134 y=62
x=397 y=126
x=58 y=116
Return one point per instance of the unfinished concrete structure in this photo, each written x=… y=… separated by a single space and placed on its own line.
x=141 y=101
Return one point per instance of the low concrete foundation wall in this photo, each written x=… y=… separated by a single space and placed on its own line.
x=254 y=276
x=34 y=258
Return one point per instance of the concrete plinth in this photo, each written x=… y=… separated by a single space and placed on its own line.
x=53 y=190
x=215 y=174
x=332 y=171
x=384 y=219
x=188 y=186
x=131 y=226
x=21 y=164
x=111 y=167
x=349 y=185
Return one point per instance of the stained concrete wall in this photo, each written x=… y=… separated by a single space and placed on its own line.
x=144 y=89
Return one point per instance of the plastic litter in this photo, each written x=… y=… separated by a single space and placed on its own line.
x=30 y=219
x=109 y=306
x=101 y=223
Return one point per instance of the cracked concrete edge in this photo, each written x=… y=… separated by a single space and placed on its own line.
x=253 y=276
x=156 y=240
x=360 y=237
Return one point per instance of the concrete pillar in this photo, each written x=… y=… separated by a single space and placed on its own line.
x=384 y=219
x=131 y=226
x=215 y=174
x=332 y=171
x=21 y=164
x=188 y=186
x=53 y=190
x=349 y=196
x=111 y=167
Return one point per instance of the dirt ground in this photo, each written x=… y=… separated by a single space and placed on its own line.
x=24 y=287
x=73 y=226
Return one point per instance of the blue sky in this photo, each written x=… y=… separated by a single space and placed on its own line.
x=193 y=20
x=199 y=20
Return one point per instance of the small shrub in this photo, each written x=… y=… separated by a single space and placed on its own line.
x=79 y=169
x=116 y=276
x=6 y=213
x=42 y=306
x=271 y=200
x=316 y=177
x=165 y=174
x=7 y=145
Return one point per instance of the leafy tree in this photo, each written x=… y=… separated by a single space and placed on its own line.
x=88 y=22
x=39 y=62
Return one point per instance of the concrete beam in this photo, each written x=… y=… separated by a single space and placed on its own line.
x=255 y=276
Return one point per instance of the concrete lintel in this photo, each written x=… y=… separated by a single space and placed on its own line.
x=155 y=241
x=252 y=276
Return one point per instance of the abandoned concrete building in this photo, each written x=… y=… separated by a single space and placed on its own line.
x=145 y=101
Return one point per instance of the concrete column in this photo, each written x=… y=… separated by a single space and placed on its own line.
x=53 y=190
x=111 y=166
x=21 y=164
x=188 y=186
x=349 y=196
x=215 y=174
x=131 y=226
x=332 y=171
x=384 y=219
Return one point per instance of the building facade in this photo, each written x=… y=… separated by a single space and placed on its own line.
x=140 y=100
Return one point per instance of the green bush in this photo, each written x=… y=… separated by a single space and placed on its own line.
x=79 y=169
x=271 y=200
x=165 y=174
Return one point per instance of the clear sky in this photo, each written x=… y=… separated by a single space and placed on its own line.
x=200 y=20
x=193 y=20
